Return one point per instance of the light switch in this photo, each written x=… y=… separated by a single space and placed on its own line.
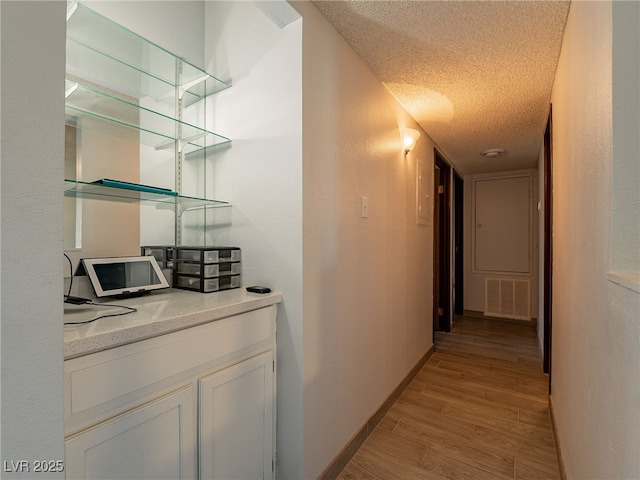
x=364 y=207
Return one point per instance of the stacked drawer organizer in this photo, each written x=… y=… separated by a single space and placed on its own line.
x=162 y=253
x=206 y=269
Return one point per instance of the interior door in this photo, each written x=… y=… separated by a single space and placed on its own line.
x=458 y=245
x=442 y=280
x=548 y=250
x=436 y=249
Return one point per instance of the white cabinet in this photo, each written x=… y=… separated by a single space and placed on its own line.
x=154 y=441
x=236 y=421
x=197 y=403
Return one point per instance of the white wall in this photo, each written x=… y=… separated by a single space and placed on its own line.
x=32 y=157
x=596 y=323
x=367 y=281
x=261 y=175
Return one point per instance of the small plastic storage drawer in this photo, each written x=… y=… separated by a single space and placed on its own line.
x=162 y=253
x=208 y=270
x=208 y=254
x=207 y=285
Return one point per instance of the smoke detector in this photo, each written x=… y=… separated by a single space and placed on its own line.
x=492 y=152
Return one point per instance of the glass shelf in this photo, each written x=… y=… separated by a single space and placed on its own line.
x=125 y=119
x=139 y=67
x=76 y=188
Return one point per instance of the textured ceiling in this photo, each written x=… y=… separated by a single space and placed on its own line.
x=474 y=74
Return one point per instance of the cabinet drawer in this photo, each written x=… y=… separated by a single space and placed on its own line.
x=206 y=285
x=106 y=383
x=208 y=270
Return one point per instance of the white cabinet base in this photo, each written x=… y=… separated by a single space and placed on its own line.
x=196 y=403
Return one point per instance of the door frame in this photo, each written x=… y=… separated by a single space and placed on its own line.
x=458 y=244
x=442 y=280
x=548 y=247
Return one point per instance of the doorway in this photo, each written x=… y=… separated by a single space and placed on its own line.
x=548 y=249
x=442 y=291
x=458 y=244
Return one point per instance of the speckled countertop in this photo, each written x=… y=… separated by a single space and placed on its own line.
x=157 y=313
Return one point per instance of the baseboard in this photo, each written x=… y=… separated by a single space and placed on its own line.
x=556 y=439
x=477 y=314
x=341 y=460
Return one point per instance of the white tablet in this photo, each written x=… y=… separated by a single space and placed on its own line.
x=124 y=276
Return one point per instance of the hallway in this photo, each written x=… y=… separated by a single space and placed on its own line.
x=478 y=410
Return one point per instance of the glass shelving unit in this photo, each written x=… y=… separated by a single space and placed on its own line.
x=123 y=85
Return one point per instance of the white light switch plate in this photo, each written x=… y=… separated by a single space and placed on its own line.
x=364 y=207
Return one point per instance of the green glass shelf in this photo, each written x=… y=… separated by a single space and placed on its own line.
x=122 y=117
x=138 y=67
x=77 y=188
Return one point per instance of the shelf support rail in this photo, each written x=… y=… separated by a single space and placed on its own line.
x=178 y=151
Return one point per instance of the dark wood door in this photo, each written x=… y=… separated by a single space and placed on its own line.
x=458 y=245
x=548 y=249
x=436 y=249
x=442 y=246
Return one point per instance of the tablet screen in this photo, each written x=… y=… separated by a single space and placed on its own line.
x=124 y=275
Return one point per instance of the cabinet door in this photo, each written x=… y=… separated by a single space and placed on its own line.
x=156 y=440
x=236 y=421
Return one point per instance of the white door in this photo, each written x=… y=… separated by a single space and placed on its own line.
x=502 y=224
x=154 y=441
x=236 y=421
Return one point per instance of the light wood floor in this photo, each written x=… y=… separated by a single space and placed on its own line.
x=477 y=410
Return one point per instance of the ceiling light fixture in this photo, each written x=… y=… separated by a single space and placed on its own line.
x=409 y=138
x=492 y=152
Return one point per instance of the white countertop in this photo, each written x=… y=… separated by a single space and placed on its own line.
x=158 y=313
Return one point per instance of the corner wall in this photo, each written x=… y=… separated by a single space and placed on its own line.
x=367 y=281
x=32 y=168
x=596 y=323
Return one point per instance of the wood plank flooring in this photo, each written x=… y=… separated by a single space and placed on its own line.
x=477 y=410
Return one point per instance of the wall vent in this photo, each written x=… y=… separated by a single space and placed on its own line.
x=507 y=298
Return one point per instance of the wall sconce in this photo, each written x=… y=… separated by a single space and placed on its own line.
x=409 y=139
